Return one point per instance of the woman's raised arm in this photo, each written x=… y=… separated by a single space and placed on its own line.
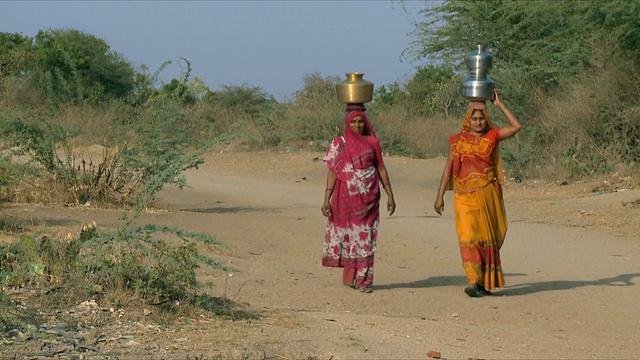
x=514 y=125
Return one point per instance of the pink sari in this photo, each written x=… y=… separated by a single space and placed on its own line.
x=352 y=230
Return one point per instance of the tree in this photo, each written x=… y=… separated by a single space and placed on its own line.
x=619 y=22
x=14 y=54
x=563 y=65
x=388 y=95
x=185 y=90
x=434 y=89
x=144 y=85
x=317 y=91
x=547 y=41
x=317 y=114
x=76 y=65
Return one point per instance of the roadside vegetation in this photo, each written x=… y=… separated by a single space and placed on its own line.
x=79 y=124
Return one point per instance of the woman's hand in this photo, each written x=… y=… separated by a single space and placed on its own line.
x=391 y=205
x=514 y=125
x=326 y=209
x=496 y=98
x=438 y=206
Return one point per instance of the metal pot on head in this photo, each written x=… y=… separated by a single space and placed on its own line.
x=478 y=86
x=354 y=90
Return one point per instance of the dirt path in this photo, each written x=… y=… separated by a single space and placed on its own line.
x=571 y=263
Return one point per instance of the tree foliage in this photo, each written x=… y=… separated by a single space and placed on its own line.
x=547 y=41
x=75 y=64
x=617 y=22
x=435 y=89
x=388 y=95
x=317 y=90
x=64 y=65
x=14 y=54
x=552 y=60
x=318 y=116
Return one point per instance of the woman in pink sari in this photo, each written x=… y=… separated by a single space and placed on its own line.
x=352 y=201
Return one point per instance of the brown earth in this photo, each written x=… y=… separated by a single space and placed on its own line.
x=571 y=262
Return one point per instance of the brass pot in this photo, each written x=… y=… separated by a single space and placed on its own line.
x=354 y=90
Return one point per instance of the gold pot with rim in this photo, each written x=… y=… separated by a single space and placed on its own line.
x=354 y=90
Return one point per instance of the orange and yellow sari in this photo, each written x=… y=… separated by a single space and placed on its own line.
x=480 y=217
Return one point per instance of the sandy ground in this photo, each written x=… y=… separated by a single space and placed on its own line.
x=571 y=261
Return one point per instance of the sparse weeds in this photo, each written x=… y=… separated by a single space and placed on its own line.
x=148 y=265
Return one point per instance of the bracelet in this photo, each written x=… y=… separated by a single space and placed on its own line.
x=329 y=189
x=385 y=185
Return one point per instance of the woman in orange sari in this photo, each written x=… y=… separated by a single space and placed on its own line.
x=473 y=170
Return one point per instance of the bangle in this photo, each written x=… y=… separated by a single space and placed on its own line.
x=385 y=185
x=329 y=189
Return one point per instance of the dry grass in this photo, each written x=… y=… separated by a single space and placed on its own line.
x=403 y=132
x=585 y=130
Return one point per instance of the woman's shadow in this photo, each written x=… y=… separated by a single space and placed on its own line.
x=515 y=290
x=530 y=288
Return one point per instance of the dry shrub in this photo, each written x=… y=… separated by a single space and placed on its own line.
x=14 y=91
x=217 y=125
x=95 y=176
x=405 y=133
x=313 y=124
x=319 y=124
x=88 y=124
x=210 y=122
x=591 y=129
x=41 y=190
x=280 y=126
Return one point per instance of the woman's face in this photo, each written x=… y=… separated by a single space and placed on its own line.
x=477 y=123
x=357 y=125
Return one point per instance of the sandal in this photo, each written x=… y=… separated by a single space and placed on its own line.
x=366 y=289
x=483 y=291
x=472 y=291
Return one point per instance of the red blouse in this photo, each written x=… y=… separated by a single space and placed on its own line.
x=473 y=160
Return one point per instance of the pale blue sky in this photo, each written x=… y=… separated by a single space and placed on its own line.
x=270 y=44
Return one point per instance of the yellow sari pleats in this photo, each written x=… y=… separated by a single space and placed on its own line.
x=481 y=224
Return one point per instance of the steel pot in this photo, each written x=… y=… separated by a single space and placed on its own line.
x=478 y=86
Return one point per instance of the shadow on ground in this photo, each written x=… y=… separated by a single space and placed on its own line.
x=530 y=288
x=435 y=281
x=515 y=290
x=14 y=224
x=228 y=210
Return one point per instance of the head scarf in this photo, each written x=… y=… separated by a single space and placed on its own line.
x=473 y=106
x=355 y=147
x=347 y=122
x=480 y=105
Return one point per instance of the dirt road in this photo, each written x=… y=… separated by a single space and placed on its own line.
x=571 y=261
x=571 y=290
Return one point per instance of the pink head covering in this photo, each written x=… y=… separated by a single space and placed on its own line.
x=355 y=147
x=353 y=114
